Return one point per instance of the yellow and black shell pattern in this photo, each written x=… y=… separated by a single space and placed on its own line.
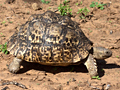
x=50 y=39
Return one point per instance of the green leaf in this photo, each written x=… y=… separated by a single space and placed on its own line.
x=92 y=5
x=47 y=2
x=5 y=43
x=77 y=12
x=99 y=78
x=3 y=50
x=10 y=22
x=3 y=22
x=43 y=1
x=102 y=8
x=94 y=77
x=6 y=52
x=96 y=3
x=1 y=46
x=117 y=56
x=64 y=8
x=76 y=4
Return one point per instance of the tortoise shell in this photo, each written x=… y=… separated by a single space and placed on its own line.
x=50 y=39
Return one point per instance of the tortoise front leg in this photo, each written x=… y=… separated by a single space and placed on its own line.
x=14 y=66
x=91 y=66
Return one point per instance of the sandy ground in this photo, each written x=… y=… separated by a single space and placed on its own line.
x=103 y=28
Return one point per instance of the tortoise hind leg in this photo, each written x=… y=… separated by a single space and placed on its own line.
x=14 y=66
x=91 y=66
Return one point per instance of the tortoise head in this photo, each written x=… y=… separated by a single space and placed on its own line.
x=101 y=53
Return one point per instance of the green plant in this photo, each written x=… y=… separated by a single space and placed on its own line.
x=83 y=12
x=3 y=48
x=96 y=77
x=64 y=8
x=95 y=4
x=3 y=22
x=48 y=8
x=78 y=3
x=38 y=83
x=10 y=21
x=110 y=21
x=81 y=2
x=46 y=2
x=117 y=56
x=90 y=31
x=2 y=35
x=102 y=69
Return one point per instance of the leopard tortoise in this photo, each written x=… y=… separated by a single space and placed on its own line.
x=52 y=39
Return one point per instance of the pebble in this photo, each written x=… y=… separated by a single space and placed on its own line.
x=73 y=80
x=108 y=86
x=35 y=6
x=111 y=32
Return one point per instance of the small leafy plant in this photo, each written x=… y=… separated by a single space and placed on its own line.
x=3 y=22
x=96 y=77
x=2 y=35
x=81 y=2
x=78 y=3
x=46 y=2
x=117 y=56
x=95 y=4
x=84 y=12
x=3 y=48
x=10 y=21
x=64 y=8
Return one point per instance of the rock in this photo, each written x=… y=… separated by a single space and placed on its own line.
x=35 y=6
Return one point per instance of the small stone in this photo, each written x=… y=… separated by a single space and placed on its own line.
x=35 y=6
x=108 y=86
x=67 y=82
x=73 y=80
x=111 y=32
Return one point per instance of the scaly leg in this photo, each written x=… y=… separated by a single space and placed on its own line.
x=14 y=66
x=91 y=66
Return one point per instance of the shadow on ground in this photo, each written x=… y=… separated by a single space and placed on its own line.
x=72 y=68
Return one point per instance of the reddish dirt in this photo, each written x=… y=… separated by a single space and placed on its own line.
x=103 y=29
